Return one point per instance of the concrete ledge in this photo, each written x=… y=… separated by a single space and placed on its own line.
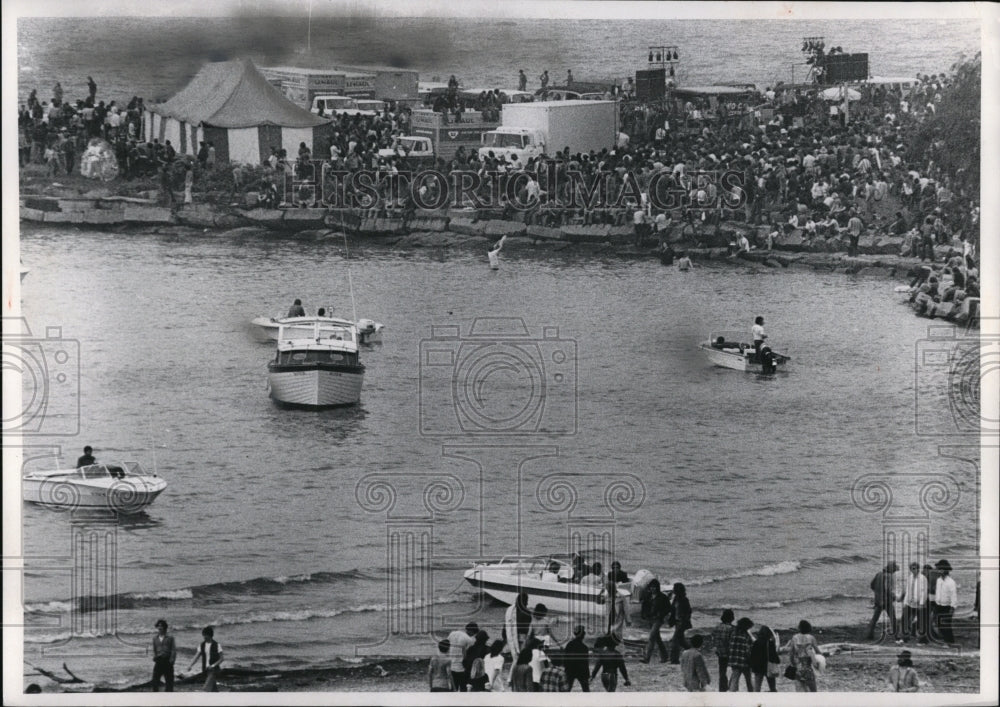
x=265 y=216
x=304 y=217
x=586 y=234
x=104 y=216
x=467 y=227
x=32 y=214
x=543 y=233
x=148 y=214
x=498 y=229
x=77 y=204
x=63 y=217
x=202 y=215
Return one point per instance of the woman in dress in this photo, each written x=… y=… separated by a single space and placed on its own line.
x=802 y=649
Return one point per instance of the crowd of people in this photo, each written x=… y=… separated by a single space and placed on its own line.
x=806 y=164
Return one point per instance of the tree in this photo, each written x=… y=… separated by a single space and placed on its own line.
x=951 y=137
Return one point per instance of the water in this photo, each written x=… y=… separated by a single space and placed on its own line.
x=164 y=53
x=263 y=531
x=745 y=480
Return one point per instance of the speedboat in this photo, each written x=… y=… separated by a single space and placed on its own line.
x=546 y=579
x=122 y=487
x=369 y=332
x=729 y=352
x=316 y=364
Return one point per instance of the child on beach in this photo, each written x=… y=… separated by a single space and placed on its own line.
x=493 y=664
x=439 y=670
x=609 y=663
x=210 y=653
x=696 y=677
x=902 y=676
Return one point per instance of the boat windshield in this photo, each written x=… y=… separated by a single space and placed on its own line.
x=94 y=471
x=307 y=357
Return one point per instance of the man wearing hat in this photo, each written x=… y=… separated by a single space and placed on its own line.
x=164 y=654
x=946 y=597
x=903 y=676
x=883 y=588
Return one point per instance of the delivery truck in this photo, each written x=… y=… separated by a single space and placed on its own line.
x=530 y=129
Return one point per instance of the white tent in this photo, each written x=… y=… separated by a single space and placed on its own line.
x=836 y=93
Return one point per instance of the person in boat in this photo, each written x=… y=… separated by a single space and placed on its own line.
x=551 y=573
x=321 y=312
x=595 y=578
x=758 y=334
x=87 y=459
x=580 y=568
x=617 y=573
x=296 y=310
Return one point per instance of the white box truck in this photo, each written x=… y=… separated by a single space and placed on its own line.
x=530 y=129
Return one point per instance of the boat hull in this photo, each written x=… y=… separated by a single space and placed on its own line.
x=313 y=387
x=559 y=597
x=738 y=361
x=120 y=496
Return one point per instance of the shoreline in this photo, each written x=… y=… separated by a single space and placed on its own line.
x=853 y=665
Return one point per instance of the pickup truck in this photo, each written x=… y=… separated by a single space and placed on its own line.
x=409 y=149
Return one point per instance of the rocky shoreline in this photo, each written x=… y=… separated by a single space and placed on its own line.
x=447 y=229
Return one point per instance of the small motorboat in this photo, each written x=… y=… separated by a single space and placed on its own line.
x=547 y=579
x=317 y=365
x=729 y=352
x=122 y=487
x=369 y=331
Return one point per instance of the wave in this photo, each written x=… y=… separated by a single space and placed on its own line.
x=254 y=617
x=784 y=567
x=784 y=603
x=210 y=592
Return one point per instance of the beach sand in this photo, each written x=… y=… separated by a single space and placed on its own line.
x=853 y=665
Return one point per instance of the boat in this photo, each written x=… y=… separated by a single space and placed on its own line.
x=122 y=487
x=369 y=331
x=316 y=364
x=727 y=351
x=546 y=580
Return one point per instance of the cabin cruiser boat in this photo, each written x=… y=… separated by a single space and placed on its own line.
x=727 y=351
x=547 y=579
x=316 y=365
x=369 y=331
x=122 y=487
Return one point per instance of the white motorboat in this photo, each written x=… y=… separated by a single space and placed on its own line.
x=727 y=351
x=122 y=487
x=317 y=365
x=369 y=331
x=547 y=579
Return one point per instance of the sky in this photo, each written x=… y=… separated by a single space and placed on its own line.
x=480 y=8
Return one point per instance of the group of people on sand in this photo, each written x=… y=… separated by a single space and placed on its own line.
x=928 y=595
x=468 y=661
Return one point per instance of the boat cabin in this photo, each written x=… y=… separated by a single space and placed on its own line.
x=308 y=357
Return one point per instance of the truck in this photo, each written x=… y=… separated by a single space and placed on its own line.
x=335 y=105
x=529 y=130
x=410 y=151
x=446 y=136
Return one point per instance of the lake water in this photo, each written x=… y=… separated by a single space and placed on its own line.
x=276 y=523
x=740 y=484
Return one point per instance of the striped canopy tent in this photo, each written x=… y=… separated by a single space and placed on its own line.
x=230 y=104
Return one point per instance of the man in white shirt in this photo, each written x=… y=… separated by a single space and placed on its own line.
x=914 y=600
x=757 y=332
x=946 y=598
x=460 y=642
